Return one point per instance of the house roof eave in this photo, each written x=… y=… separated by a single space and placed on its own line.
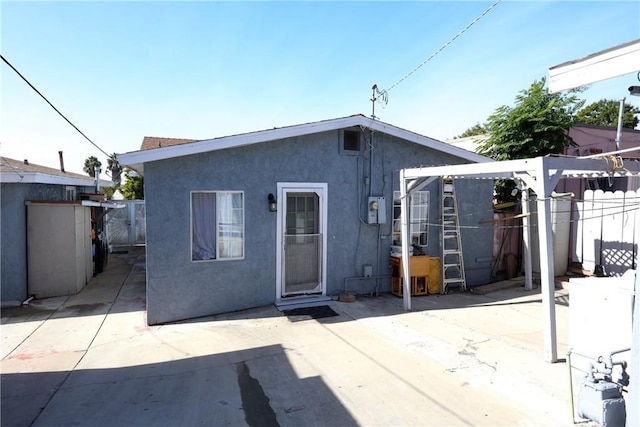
x=22 y=177
x=136 y=159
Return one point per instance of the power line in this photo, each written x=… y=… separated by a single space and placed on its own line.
x=496 y=226
x=52 y=106
x=15 y=170
x=443 y=47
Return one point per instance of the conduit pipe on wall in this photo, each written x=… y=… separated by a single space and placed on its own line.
x=620 y=123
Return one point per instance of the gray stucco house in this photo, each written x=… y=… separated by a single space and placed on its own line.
x=27 y=182
x=290 y=214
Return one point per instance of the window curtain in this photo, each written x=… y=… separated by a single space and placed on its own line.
x=203 y=211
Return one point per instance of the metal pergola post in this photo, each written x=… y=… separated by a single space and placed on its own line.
x=547 y=279
x=541 y=174
x=526 y=239
x=404 y=230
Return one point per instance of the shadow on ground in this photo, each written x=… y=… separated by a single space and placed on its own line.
x=222 y=389
x=107 y=293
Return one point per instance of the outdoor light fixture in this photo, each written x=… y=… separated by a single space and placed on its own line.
x=273 y=203
x=634 y=90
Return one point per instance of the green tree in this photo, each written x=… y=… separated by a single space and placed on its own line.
x=115 y=169
x=133 y=187
x=108 y=192
x=90 y=164
x=537 y=125
x=605 y=113
x=474 y=130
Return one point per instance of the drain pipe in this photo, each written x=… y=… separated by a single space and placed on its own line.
x=573 y=408
x=620 y=113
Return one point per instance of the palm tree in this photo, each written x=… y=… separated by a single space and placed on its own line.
x=114 y=167
x=90 y=164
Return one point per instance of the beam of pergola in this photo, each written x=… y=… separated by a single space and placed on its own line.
x=541 y=174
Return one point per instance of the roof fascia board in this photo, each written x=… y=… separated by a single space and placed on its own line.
x=606 y=64
x=427 y=142
x=207 y=145
x=43 y=178
x=137 y=158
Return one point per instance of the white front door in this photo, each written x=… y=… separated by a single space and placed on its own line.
x=302 y=235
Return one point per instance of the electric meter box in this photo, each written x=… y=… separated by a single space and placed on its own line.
x=377 y=210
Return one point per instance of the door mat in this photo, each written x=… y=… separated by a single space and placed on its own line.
x=306 y=313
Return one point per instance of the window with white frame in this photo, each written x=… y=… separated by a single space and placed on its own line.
x=217 y=225
x=69 y=192
x=419 y=218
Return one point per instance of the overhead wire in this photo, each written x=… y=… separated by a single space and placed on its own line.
x=5 y=162
x=603 y=210
x=52 y=106
x=444 y=46
x=495 y=224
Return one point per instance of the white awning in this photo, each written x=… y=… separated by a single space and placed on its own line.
x=606 y=64
x=108 y=205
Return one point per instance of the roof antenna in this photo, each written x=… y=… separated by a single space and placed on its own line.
x=381 y=97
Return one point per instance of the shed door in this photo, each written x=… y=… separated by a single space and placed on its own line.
x=303 y=240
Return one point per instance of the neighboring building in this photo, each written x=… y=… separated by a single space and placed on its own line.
x=469 y=143
x=589 y=139
x=25 y=182
x=592 y=140
x=276 y=215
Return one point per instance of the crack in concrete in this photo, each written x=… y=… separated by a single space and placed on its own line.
x=470 y=349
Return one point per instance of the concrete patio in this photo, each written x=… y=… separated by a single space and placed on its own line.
x=457 y=359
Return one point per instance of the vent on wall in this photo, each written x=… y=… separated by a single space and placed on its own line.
x=350 y=142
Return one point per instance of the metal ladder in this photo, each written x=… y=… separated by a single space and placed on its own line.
x=452 y=262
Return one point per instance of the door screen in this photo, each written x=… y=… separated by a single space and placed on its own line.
x=302 y=244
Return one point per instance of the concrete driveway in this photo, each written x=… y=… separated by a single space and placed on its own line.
x=458 y=359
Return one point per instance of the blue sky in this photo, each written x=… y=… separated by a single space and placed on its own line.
x=123 y=70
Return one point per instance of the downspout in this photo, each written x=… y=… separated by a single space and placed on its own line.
x=370 y=148
x=620 y=123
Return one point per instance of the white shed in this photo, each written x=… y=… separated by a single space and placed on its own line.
x=59 y=243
